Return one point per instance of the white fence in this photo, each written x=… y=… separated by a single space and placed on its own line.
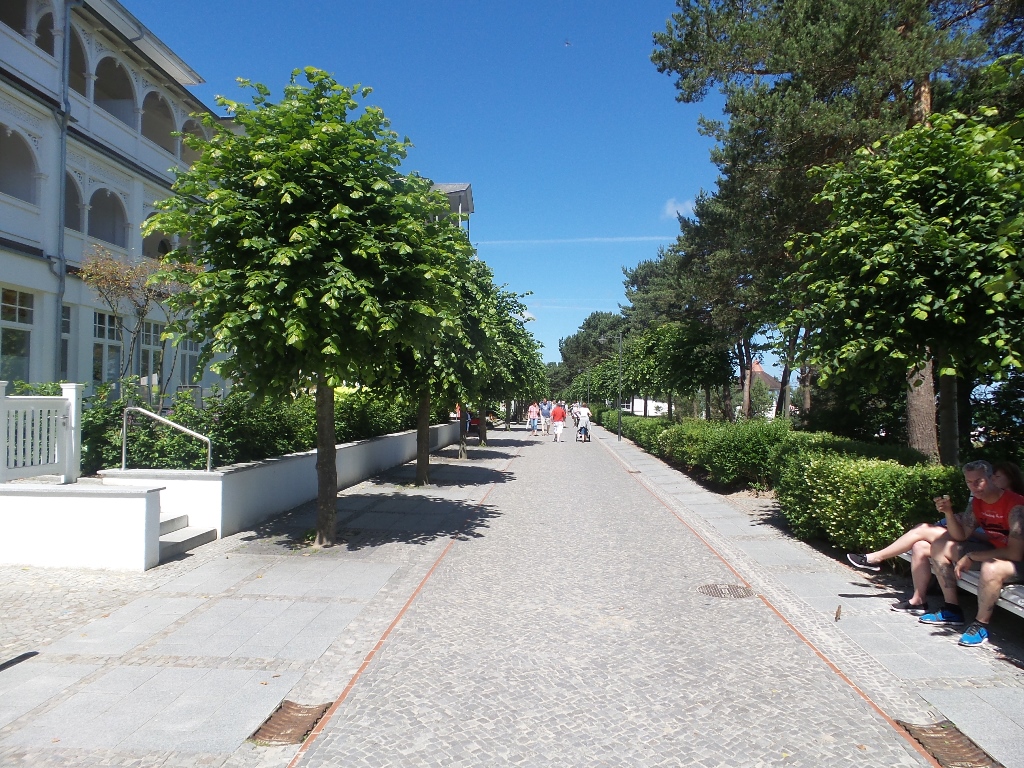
x=41 y=435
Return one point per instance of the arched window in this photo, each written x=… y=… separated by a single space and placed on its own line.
x=107 y=220
x=113 y=91
x=14 y=13
x=72 y=204
x=156 y=245
x=191 y=128
x=44 y=33
x=158 y=121
x=17 y=166
x=76 y=71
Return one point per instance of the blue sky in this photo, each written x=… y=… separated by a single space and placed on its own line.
x=577 y=151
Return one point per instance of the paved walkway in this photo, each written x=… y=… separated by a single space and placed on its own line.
x=539 y=606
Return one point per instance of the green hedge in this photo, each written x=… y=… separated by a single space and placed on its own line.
x=862 y=504
x=858 y=495
x=241 y=427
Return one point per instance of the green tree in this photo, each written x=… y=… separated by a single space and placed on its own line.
x=807 y=83
x=918 y=264
x=584 y=348
x=312 y=260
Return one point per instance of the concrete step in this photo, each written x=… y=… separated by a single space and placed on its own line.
x=182 y=540
x=170 y=523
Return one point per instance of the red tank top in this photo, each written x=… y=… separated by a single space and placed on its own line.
x=995 y=517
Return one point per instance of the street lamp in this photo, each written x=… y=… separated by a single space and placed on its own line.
x=618 y=402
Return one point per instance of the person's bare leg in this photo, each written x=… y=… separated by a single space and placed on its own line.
x=921 y=571
x=924 y=532
x=944 y=557
x=993 y=574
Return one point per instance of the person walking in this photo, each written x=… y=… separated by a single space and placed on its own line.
x=558 y=415
x=533 y=414
x=546 y=407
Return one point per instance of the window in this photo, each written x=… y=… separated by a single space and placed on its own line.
x=16 y=306
x=44 y=33
x=113 y=91
x=17 y=166
x=76 y=69
x=152 y=360
x=189 y=351
x=65 y=341
x=106 y=357
x=16 y=312
x=107 y=220
x=72 y=204
x=158 y=122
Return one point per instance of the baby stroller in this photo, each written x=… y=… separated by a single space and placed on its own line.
x=583 y=433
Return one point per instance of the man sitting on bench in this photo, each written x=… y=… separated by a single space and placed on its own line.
x=1001 y=514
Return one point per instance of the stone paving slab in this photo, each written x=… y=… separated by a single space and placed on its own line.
x=563 y=627
x=573 y=633
x=893 y=657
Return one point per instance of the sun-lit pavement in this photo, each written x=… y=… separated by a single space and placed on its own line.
x=549 y=613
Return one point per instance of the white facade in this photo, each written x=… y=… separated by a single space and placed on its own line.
x=126 y=95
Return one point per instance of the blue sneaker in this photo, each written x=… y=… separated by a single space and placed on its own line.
x=976 y=634
x=943 y=616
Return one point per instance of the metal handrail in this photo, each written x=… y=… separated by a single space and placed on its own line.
x=169 y=423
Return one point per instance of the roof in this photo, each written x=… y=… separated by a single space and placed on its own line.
x=459 y=195
x=758 y=373
x=136 y=33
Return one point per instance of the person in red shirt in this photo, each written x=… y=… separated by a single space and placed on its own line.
x=1001 y=514
x=558 y=415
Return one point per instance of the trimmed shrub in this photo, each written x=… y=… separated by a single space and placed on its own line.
x=862 y=504
x=241 y=427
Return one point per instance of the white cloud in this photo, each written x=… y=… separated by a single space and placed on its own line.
x=673 y=208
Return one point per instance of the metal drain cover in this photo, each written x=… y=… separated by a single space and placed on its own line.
x=949 y=746
x=725 y=590
x=290 y=723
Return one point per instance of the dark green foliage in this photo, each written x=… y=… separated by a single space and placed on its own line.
x=241 y=427
x=862 y=504
x=851 y=409
x=1000 y=408
x=858 y=495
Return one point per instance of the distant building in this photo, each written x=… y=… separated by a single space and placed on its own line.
x=460 y=198
x=66 y=186
x=774 y=386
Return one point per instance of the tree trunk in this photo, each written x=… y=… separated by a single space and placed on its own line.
x=508 y=415
x=707 y=403
x=782 y=404
x=965 y=411
x=922 y=106
x=746 y=359
x=463 y=428
x=326 y=466
x=921 y=411
x=727 y=410
x=805 y=390
x=482 y=429
x=645 y=406
x=670 y=405
x=423 y=438
x=949 y=427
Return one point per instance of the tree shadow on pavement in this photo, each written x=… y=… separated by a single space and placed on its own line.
x=444 y=475
x=371 y=520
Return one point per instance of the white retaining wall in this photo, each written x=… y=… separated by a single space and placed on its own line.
x=236 y=498
x=80 y=526
x=117 y=525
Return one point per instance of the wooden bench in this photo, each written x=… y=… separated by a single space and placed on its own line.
x=1011 y=598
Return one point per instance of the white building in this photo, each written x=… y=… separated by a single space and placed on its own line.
x=89 y=99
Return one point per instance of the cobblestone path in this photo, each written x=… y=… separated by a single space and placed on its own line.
x=571 y=632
